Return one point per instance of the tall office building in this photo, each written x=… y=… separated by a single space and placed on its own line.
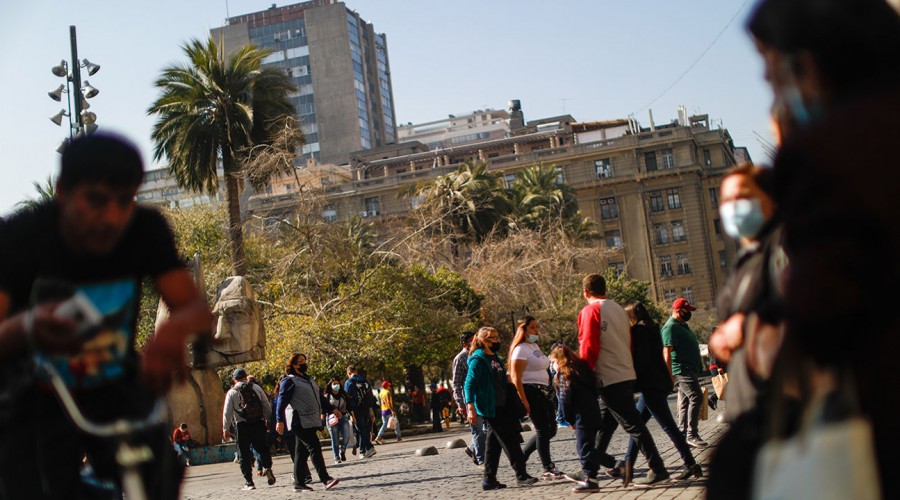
x=340 y=66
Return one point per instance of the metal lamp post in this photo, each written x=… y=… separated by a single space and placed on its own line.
x=81 y=121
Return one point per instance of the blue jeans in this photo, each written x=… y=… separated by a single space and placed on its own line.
x=340 y=436
x=479 y=432
x=384 y=426
x=655 y=404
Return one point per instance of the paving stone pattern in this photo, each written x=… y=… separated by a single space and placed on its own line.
x=395 y=472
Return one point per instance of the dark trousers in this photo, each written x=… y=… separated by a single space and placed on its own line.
x=655 y=404
x=503 y=433
x=436 y=417
x=40 y=455
x=363 y=430
x=544 y=419
x=252 y=434
x=617 y=408
x=587 y=424
x=690 y=397
x=308 y=445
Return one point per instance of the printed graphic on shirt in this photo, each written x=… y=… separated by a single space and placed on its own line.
x=108 y=345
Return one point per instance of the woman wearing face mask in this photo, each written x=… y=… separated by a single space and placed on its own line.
x=301 y=392
x=339 y=428
x=529 y=373
x=487 y=395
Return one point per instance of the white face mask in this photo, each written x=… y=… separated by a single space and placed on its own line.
x=742 y=218
x=532 y=338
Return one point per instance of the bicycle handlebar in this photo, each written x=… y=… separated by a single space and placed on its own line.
x=117 y=428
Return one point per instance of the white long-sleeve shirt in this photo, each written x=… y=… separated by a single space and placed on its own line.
x=233 y=399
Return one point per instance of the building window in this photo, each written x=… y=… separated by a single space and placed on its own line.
x=674 y=199
x=656 y=201
x=603 y=168
x=608 y=209
x=618 y=268
x=373 y=206
x=723 y=261
x=668 y=159
x=613 y=239
x=681 y=260
x=509 y=180
x=678 y=231
x=669 y=295
x=329 y=212
x=662 y=234
x=665 y=266
x=416 y=201
x=650 y=161
x=688 y=293
x=714 y=197
x=707 y=157
x=717 y=227
x=560 y=177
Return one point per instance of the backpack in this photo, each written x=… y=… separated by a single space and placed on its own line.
x=363 y=396
x=249 y=407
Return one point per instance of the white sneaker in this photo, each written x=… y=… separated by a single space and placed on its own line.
x=370 y=452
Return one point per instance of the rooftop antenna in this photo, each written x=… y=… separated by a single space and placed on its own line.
x=227 y=15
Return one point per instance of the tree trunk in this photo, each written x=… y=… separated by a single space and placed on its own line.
x=235 y=226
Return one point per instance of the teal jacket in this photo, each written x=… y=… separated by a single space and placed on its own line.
x=479 y=386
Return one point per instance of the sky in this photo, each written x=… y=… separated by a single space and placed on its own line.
x=593 y=59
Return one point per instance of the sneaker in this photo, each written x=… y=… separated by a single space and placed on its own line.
x=687 y=472
x=588 y=486
x=270 y=476
x=331 y=483
x=653 y=477
x=302 y=487
x=369 y=453
x=337 y=462
x=552 y=473
x=378 y=441
x=353 y=450
x=399 y=439
x=564 y=424
x=187 y=463
x=526 y=481
x=696 y=442
x=471 y=455
x=308 y=479
x=492 y=485
x=248 y=487
x=575 y=477
x=344 y=456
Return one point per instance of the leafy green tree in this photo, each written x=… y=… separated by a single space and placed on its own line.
x=540 y=201
x=215 y=109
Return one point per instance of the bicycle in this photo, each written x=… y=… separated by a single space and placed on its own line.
x=128 y=457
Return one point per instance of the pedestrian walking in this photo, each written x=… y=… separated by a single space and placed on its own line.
x=246 y=406
x=388 y=415
x=436 y=409
x=529 y=371
x=339 y=427
x=655 y=385
x=578 y=398
x=475 y=450
x=681 y=351
x=489 y=394
x=604 y=338
x=359 y=393
x=301 y=391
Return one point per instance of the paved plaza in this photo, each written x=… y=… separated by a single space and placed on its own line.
x=395 y=472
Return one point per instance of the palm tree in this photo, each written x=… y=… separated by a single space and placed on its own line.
x=45 y=193
x=468 y=204
x=211 y=109
x=540 y=200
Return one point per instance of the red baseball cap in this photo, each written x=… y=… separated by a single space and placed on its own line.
x=682 y=305
x=385 y=384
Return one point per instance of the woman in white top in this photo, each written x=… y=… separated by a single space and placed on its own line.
x=529 y=370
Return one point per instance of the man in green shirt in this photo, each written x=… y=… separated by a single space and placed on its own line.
x=682 y=354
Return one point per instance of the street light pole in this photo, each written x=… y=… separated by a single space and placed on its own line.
x=76 y=79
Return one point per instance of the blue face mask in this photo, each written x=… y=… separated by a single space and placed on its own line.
x=335 y=387
x=742 y=218
x=532 y=338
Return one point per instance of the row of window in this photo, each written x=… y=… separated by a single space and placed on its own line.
x=666 y=269
x=687 y=292
x=661 y=232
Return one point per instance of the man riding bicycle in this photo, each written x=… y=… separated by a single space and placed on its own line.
x=91 y=242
